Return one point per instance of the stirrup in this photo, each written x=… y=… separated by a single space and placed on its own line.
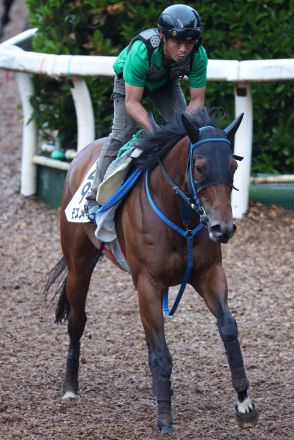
x=91 y=212
x=91 y=207
x=91 y=197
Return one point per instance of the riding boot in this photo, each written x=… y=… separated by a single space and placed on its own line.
x=91 y=196
x=91 y=207
x=91 y=203
x=101 y=166
x=107 y=155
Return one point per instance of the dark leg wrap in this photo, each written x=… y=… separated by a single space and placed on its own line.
x=72 y=368
x=160 y=364
x=235 y=360
x=162 y=390
x=229 y=333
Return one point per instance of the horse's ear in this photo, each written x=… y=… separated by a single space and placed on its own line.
x=233 y=127
x=236 y=157
x=192 y=131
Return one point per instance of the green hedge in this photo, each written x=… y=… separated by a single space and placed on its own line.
x=236 y=30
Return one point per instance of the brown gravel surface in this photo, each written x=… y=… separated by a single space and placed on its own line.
x=115 y=401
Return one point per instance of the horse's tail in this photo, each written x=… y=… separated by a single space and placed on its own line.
x=59 y=272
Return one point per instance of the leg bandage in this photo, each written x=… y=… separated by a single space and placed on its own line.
x=229 y=333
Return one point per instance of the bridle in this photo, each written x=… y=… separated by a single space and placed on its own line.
x=191 y=198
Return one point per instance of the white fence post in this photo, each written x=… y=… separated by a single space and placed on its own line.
x=30 y=136
x=84 y=112
x=243 y=147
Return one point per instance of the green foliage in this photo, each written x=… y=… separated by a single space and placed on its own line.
x=54 y=112
x=238 y=30
x=253 y=30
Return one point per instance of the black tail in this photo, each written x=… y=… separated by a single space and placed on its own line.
x=59 y=272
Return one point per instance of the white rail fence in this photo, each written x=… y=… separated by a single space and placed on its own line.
x=24 y=63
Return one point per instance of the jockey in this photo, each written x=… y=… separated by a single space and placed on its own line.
x=153 y=65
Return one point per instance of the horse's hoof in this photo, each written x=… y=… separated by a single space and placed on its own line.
x=167 y=429
x=69 y=395
x=247 y=420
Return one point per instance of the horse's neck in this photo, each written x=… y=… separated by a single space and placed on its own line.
x=175 y=164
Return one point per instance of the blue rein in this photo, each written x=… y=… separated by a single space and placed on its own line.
x=189 y=235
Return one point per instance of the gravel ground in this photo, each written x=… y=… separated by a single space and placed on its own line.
x=115 y=400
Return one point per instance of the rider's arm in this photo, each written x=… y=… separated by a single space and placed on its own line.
x=197 y=80
x=134 y=107
x=197 y=97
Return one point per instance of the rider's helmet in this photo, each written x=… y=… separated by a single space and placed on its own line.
x=180 y=22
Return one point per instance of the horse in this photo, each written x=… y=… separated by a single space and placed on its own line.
x=188 y=162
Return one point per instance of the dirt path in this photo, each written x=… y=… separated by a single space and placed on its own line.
x=116 y=402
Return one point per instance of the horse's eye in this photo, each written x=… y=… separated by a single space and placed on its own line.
x=198 y=168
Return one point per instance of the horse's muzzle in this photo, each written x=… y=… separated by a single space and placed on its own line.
x=222 y=233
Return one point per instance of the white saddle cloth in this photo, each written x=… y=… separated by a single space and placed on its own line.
x=114 y=177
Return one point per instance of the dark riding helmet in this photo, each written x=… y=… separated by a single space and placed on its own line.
x=180 y=22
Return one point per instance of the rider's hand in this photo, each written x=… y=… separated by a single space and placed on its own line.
x=152 y=121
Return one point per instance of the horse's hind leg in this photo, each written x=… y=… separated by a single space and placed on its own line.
x=78 y=256
x=160 y=361
x=76 y=290
x=213 y=288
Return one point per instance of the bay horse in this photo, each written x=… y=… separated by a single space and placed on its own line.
x=196 y=171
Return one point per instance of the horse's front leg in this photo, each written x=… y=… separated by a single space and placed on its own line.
x=160 y=361
x=212 y=286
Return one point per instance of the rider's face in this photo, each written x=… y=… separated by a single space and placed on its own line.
x=177 y=51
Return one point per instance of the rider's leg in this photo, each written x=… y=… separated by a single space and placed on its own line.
x=169 y=99
x=123 y=127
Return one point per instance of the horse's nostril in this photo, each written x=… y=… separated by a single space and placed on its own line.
x=216 y=229
x=223 y=230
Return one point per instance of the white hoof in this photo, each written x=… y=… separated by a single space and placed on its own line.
x=245 y=407
x=69 y=395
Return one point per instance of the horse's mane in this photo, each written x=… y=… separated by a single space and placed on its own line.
x=157 y=144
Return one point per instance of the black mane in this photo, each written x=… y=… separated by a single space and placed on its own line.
x=156 y=145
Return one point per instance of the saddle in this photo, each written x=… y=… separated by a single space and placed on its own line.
x=116 y=173
x=115 y=176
